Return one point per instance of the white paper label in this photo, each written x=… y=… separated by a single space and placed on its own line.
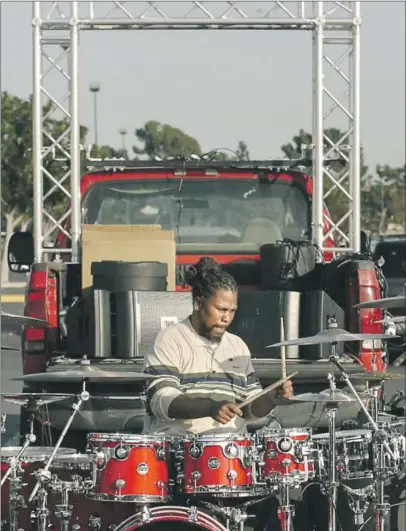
x=168 y=321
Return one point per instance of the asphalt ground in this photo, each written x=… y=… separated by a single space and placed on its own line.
x=11 y=366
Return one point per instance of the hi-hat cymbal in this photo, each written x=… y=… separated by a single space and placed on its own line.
x=12 y=324
x=330 y=336
x=325 y=397
x=399 y=319
x=13 y=349
x=377 y=376
x=385 y=304
x=85 y=372
x=35 y=400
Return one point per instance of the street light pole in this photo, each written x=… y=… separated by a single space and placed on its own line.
x=95 y=88
x=123 y=133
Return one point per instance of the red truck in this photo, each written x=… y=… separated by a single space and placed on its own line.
x=226 y=210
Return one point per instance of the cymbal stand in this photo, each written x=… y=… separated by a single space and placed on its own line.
x=375 y=393
x=331 y=408
x=14 y=462
x=344 y=376
x=44 y=475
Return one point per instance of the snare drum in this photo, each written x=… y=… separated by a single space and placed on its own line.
x=285 y=454
x=32 y=455
x=353 y=453
x=129 y=468
x=217 y=464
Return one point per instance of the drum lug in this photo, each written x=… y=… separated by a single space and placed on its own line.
x=193 y=516
x=94 y=523
x=145 y=514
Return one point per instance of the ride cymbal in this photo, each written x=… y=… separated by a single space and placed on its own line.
x=325 y=397
x=34 y=400
x=85 y=372
x=330 y=336
x=385 y=304
x=376 y=376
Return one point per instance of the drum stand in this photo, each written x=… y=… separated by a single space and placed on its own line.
x=286 y=511
x=382 y=508
x=41 y=513
x=331 y=408
x=44 y=475
x=63 y=510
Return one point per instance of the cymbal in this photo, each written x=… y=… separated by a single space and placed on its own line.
x=401 y=319
x=85 y=372
x=330 y=335
x=13 y=349
x=12 y=324
x=325 y=397
x=377 y=376
x=389 y=302
x=34 y=400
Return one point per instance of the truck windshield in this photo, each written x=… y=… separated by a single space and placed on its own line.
x=227 y=215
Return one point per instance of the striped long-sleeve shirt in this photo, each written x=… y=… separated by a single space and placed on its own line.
x=189 y=364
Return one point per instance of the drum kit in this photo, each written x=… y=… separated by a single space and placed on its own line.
x=200 y=481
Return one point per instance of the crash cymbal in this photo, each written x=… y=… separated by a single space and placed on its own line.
x=385 y=304
x=85 y=372
x=34 y=400
x=12 y=323
x=13 y=349
x=399 y=319
x=325 y=397
x=331 y=336
x=376 y=376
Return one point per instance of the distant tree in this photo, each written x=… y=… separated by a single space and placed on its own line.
x=337 y=202
x=17 y=169
x=163 y=140
x=242 y=151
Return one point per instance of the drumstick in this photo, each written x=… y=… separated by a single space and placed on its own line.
x=283 y=350
x=266 y=390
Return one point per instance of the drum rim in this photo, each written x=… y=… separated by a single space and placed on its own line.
x=127 y=438
x=157 y=513
x=219 y=437
x=348 y=434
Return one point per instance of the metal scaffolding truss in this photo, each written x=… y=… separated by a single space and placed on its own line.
x=335 y=27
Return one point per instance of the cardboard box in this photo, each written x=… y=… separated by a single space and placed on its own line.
x=130 y=243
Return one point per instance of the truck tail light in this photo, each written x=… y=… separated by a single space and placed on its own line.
x=41 y=303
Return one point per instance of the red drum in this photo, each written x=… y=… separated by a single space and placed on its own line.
x=220 y=465
x=285 y=454
x=171 y=518
x=130 y=468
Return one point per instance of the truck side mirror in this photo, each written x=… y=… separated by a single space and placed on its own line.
x=20 y=252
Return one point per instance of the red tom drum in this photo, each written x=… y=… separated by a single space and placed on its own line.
x=130 y=468
x=219 y=465
x=285 y=454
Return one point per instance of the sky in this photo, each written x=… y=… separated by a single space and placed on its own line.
x=222 y=87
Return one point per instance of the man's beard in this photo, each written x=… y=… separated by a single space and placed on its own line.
x=207 y=333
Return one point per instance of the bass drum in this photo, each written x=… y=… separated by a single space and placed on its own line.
x=169 y=518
